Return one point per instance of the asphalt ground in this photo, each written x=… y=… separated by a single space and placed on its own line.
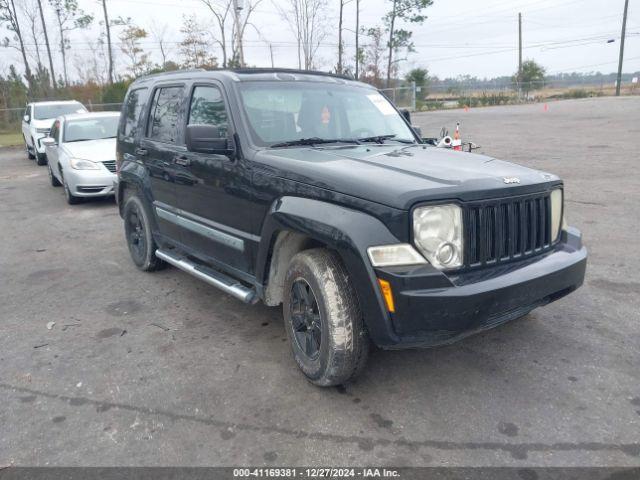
x=161 y=369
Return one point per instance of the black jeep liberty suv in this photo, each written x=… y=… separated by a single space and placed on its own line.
x=312 y=191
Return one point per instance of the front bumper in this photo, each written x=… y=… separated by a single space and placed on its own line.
x=90 y=183
x=433 y=308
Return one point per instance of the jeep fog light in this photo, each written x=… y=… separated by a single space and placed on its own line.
x=437 y=232
x=556 y=213
x=393 y=255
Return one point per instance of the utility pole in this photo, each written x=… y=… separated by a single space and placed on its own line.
x=107 y=26
x=357 y=35
x=520 y=54
x=46 y=41
x=271 y=54
x=237 y=8
x=339 y=67
x=624 y=28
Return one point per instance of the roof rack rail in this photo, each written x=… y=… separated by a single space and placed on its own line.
x=289 y=70
x=171 y=72
x=249 y=71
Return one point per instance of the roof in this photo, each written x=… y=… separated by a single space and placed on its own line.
x=89 y=115
x=253 y=74
x=55 y=102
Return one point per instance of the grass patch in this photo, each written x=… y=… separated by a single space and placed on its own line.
x=10 y=139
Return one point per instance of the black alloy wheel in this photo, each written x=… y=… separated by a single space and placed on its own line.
x=136 y=235
x=306 y=319
x=322 y=318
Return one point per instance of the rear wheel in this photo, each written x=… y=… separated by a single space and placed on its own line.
x=328 y=338
x=137 y=230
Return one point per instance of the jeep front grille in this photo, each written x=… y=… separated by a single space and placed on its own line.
x=506 y=229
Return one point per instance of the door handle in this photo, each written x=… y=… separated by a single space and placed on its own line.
x=182 y=160
x=141 y=151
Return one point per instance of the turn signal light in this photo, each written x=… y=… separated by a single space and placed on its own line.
x=387 y=294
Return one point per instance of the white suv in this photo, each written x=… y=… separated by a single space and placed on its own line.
x=37 y=121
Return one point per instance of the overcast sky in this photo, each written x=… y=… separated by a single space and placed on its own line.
x=459 y=37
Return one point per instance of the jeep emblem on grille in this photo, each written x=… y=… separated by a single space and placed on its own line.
x=510 y=180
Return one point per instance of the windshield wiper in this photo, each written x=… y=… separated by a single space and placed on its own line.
x=314 y=141
x=382 y=138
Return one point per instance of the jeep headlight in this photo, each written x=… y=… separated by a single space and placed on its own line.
x=437 y=232
x=79 y=164
x=556 y=213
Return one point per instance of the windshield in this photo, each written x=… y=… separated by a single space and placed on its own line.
x=91 y=129
x=44 y=112
x=281 y=112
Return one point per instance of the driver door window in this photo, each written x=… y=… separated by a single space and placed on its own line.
x=207 y=108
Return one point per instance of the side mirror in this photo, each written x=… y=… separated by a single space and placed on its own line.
x=49 y=142
x=406 y=114
x=26 y=118
x=207 y=139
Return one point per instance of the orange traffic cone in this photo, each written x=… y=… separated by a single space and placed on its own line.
x=457 y=142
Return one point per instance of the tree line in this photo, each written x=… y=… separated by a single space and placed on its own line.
x=41 y=31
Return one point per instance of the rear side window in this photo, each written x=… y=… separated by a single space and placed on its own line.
x=133 y=107
x=163 y=121
x=207 y=108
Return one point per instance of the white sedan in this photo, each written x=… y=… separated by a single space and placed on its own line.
x=81 y=150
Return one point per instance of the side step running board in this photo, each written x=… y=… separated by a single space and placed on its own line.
x=212 y=277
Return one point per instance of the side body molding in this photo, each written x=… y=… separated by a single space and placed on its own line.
x=349 y=232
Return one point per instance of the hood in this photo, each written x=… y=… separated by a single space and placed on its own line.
x=94 y=150
x=401 y=175
x=46 y=123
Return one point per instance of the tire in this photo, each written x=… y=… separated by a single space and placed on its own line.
x=340 y=353
x=71 y=198
x=52 y=178
x=30 y=155
x=137 y=231
x=41 y=158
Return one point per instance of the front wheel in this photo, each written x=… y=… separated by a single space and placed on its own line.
x=41 y=158
x=52 y=178
x=71 y=198
x=137 y=230
x=30 y=155
x=323 y=320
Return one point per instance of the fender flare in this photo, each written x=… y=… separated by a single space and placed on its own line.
x=132 y=176
x=349 y=232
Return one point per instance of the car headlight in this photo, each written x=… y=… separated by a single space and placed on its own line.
x=437 y=231
x=556 y=213
x=43 y=130
x=394 y=255
x=79 y=164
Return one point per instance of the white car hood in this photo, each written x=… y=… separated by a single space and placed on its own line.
x=46 y=123
x=94 y=150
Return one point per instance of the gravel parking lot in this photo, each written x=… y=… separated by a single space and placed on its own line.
x=161 y=369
